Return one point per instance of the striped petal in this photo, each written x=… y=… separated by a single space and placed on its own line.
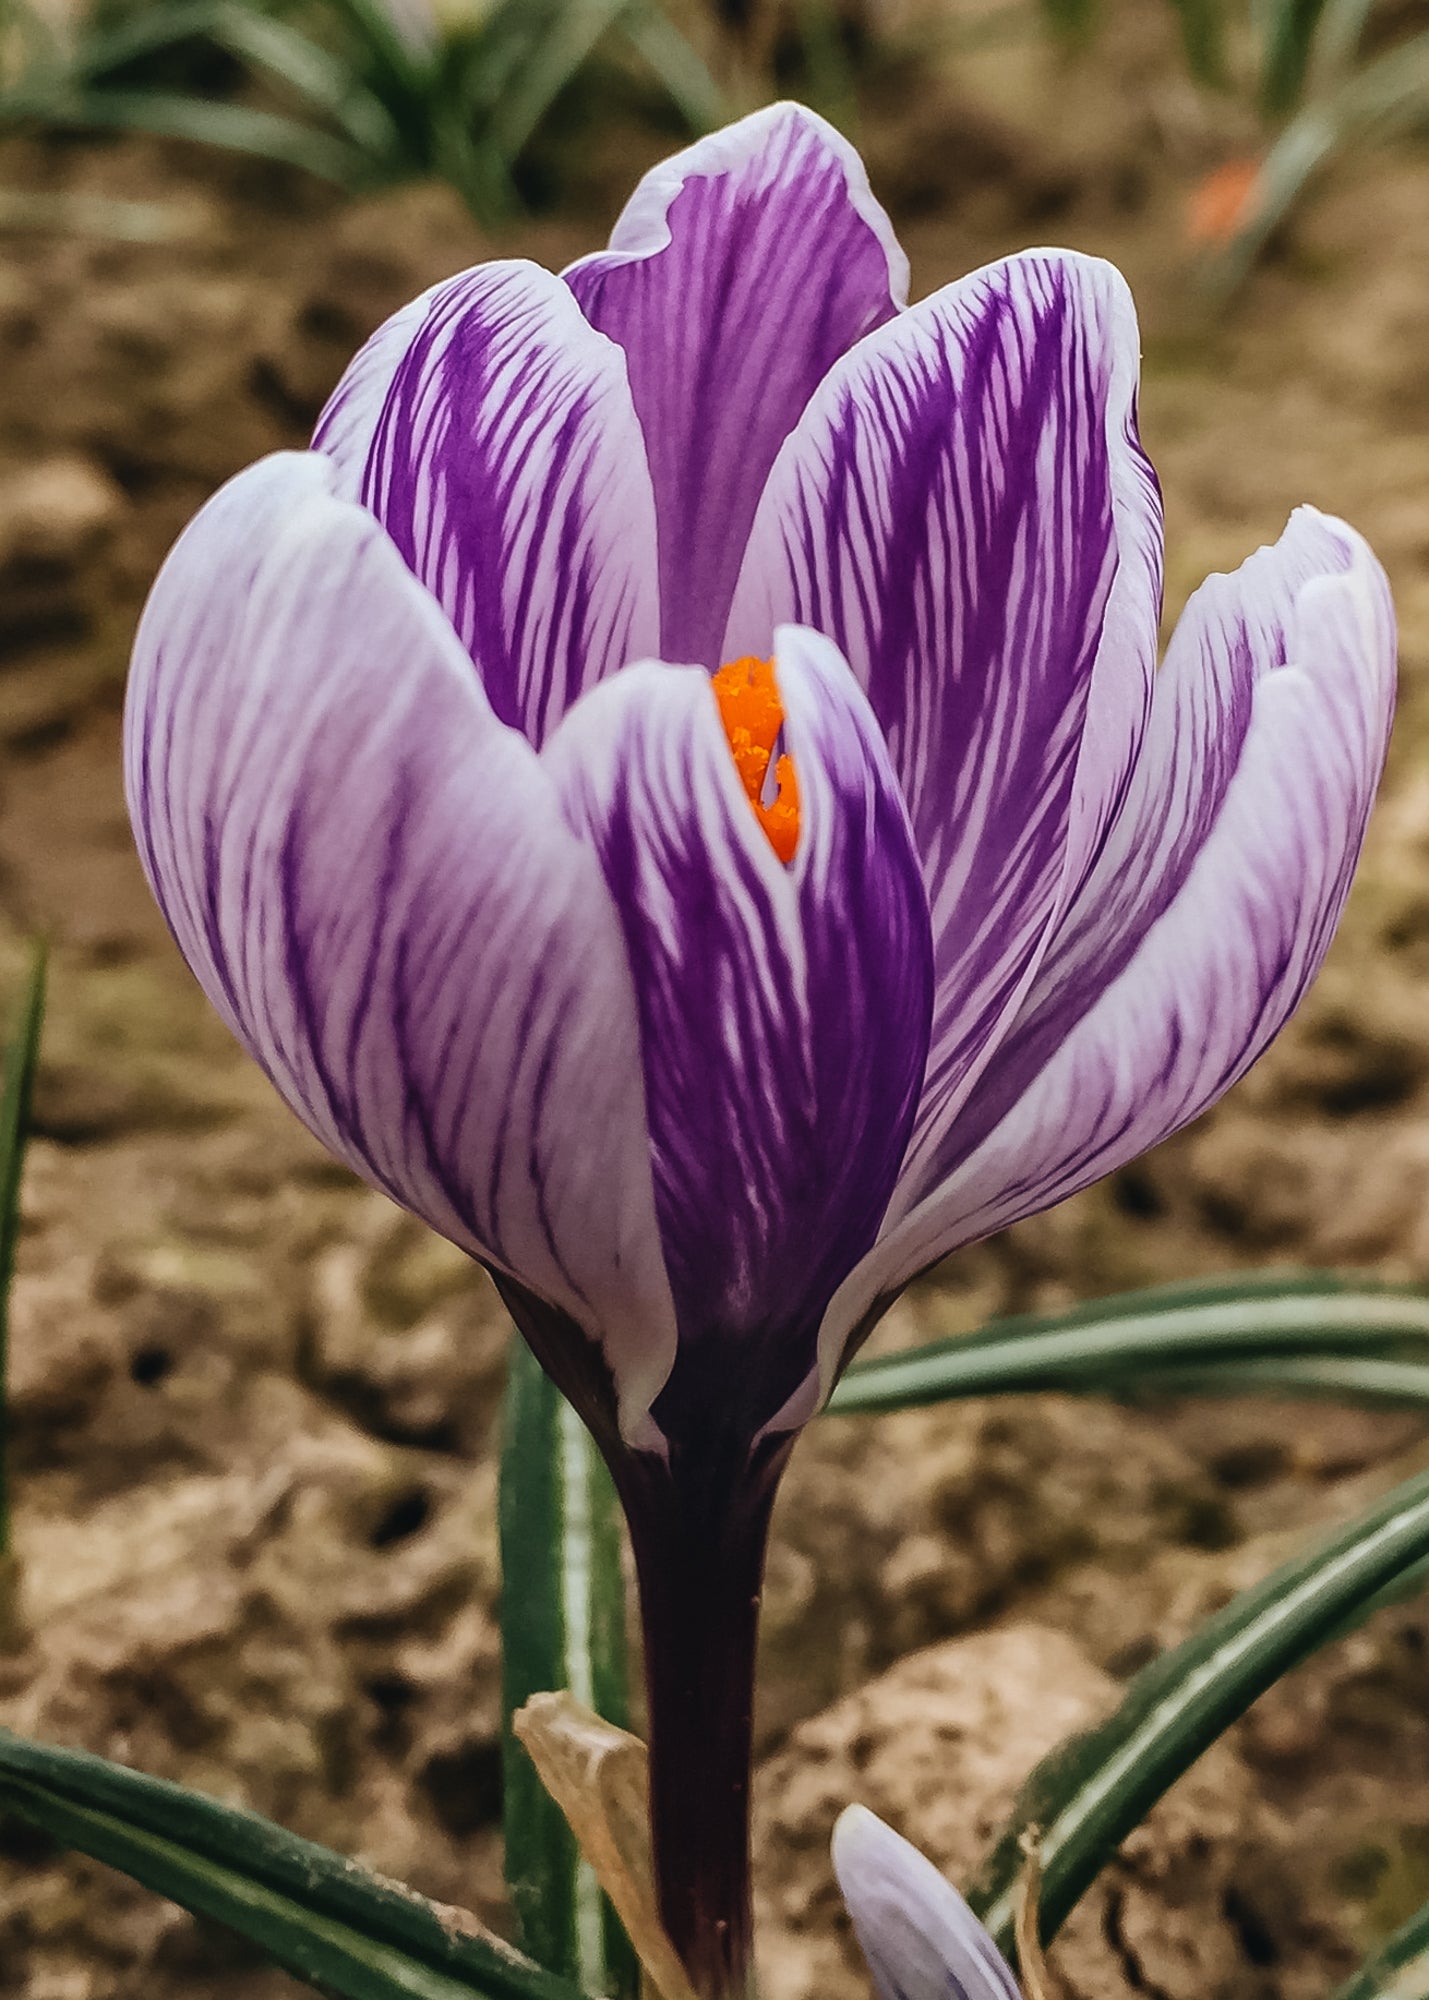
x=1212 y=907
x=784 y=1010
x=349 y=420
x=738 y=274
x=370 y=876
x=921 y=1940
x=966 y=511
x=491 y=431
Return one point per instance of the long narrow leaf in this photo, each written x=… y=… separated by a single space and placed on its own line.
x=677 y=66
x=1399 y=1970
x=234 y=127
x=1090 y=1793
x=1337 y=42
x=400 y=58
x=1388 y=95
x=1108 y=1345
x=562 y=1627
x=20 y=1057
x=549 y=67
x=104 y=49
x=1203 y=36
x=1338 y=1378
x=313 y=74
x=1289 y=38
x=312 y=1912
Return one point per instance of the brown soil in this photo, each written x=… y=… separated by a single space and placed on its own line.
x=253 y=1406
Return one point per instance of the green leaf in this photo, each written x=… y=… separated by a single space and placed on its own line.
x=677 y=66
x=401 y=65
x=562 y=1626
x=1074 y=20
x=19 y=1059
x=102 y=50
x=1337 y=41
x=1385 y=96
x=312 y=74
x=235 y=127
x=1140 y=1339
x=548 y=67
x=1399 y=1970
x=1288 y=37
x=1203 y=36
x=1089 y=1794
x=317 y=1915
x=1339 y=1378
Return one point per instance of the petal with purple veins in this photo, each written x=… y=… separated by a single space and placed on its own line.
x=966 y=511
x=921 y=1940
x=738 y=274
x=350 y=416
x=1211 y=910
x=490 y=429
x=784 y=1009
x=371 y=878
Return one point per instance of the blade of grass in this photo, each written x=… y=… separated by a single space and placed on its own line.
x=312 y=74
x=20 y=1058
x=105 y=49
x=313 y=1912
x=677 y=66
x=1107 y=1345
x=562 y=1627
x=399 y=59
x=1203 y=37
x=1094 y=1789
x=1399 y=1970
x=1287 y=39
x=1340 y=1378
x=550 y=64
x=169 y=114
x=1388 y=95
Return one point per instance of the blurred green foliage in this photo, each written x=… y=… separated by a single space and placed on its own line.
x=1321 y=75
x=366 y=93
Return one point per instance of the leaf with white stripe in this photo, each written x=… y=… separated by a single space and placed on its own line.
x=562 y=1626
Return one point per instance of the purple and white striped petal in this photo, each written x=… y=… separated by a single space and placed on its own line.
x=372 y=879
x=966 y=511
x=784 y=1010
x=350 y=416
x=921 y=1940
x=490 y=430
x=738 y=274
x=1211 y=910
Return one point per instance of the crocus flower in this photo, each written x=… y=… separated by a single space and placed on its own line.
x=675 y=788
x=921 y=1940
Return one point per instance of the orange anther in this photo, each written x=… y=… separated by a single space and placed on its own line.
x=753 y=715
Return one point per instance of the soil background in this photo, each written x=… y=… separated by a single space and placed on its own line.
x=254 y=1407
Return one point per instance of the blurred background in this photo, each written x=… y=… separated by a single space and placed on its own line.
x=253 y=1408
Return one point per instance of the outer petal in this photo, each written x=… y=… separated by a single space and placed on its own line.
x=965 y=509
x=1214 y=904
x=784 y=1011
x=739 y=273
x=491 y=431
x=921 y=1940
x=350 y=417
x=370 y=876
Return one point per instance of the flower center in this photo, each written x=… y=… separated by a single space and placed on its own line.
x=753 y=715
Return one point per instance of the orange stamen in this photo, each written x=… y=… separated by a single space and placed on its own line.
x=753 y=715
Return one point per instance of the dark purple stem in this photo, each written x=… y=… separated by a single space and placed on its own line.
x=699 y=1555
x=699 y=1521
